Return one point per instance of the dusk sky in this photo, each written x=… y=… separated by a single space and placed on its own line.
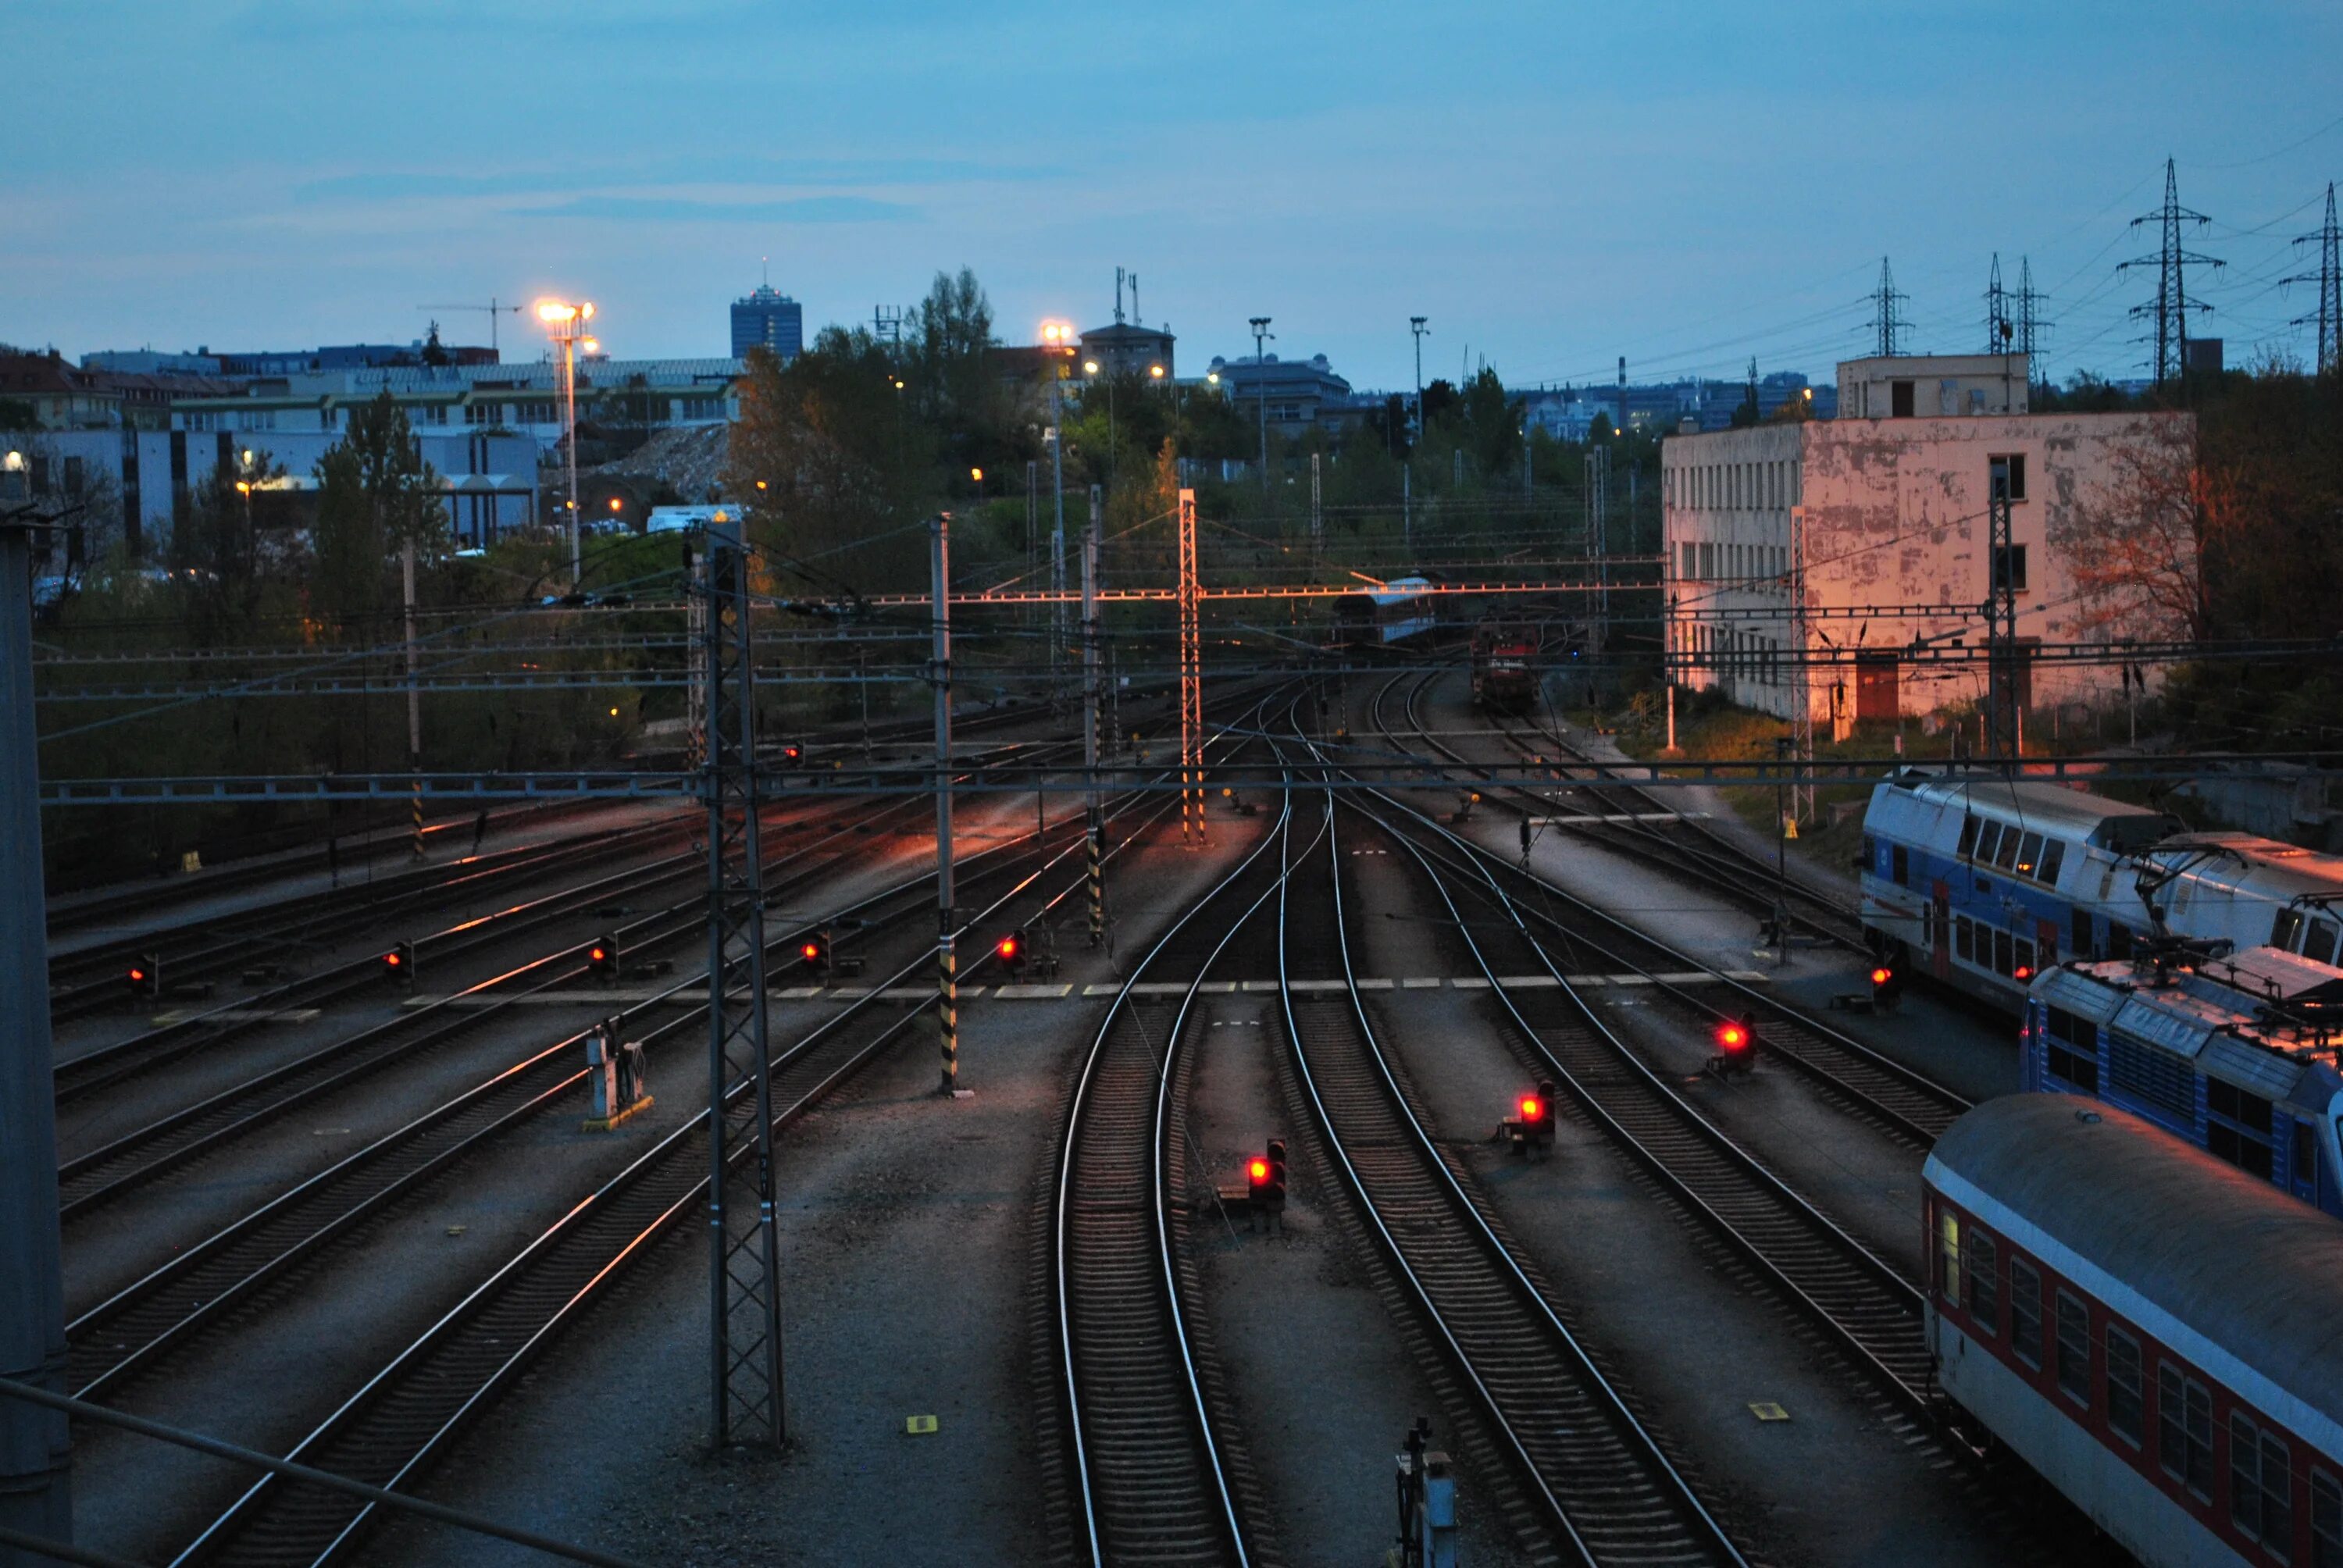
x=1553 y=185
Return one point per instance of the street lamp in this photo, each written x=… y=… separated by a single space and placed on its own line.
x=1261 y=334
x=566 y=322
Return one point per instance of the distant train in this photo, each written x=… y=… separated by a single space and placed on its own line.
x=1398 y=611
x=1984 y=885
x=1505 y=672
x=2152 y=1330
x=2233 y=1055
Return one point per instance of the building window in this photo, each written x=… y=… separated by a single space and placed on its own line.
x=2009 y=474
x=2026 y=1311
x=2009 y=567
x=2184 y=1429
x=2124 y=1390
x=1899 y=399
x=2261 y=1492
x=2075 y=1349
x=1985 y=1287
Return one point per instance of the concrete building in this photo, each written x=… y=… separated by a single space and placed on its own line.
x=1877 y=528
x=1126 y=348
x=1933 y=386
x=768 y=318
x=1298 y=391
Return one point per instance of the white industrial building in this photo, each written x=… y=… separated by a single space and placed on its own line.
x=1877 y=528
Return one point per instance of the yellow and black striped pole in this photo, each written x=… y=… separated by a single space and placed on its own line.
x=947 y=1009
x=418 y=808
x=1096 y=856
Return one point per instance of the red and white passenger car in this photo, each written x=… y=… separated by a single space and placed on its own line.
x=2157 y=1333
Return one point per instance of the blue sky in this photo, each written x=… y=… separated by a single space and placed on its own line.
x=1553 y=185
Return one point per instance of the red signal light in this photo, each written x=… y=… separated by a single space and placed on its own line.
x=138 y=976
x=1008 y=946
x=597 y=953
x=810 y=951
x=2025 y=972
x=392 y=960
x=1732 y=1036
x=1882 y=975
x=1532 y=1108
x=1257 y=1172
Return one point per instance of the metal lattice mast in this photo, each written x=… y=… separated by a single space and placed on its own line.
x=1093 y=694
x=695 y=691
x=1998 y=327
x=1192 y=682
x=1885 y=321
x=2001 y=627
x=744 y=1277
x=947 y=925
x=2169 y=308
x=2329 y=317
x=2032 y=328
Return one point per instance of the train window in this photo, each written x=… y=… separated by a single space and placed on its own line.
x=2005 y=854
x=2303 y=1165
x=2326 y=1521
x=2237 y=1128
x=1985 y=1288
x=2320 y=945
x=1968 y=837
x=2005 y=953
x=2024 y=954
x=1948 y=1255
x=1965 y=937
x=1902 y=863
x=2074 y=1349
x=2118 y=940
x=2124 y=1390
x=2030 y=855
x=1989 y=840
x=2054 y=855
x=2071 y=1048
x=2184 y=1429
x=2026 y=1311
x=2286 y=929
x=2261 y=1490
x=2082 y=933
x=1870 y=854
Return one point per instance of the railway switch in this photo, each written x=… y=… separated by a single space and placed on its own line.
x=614 y=1075
x=1736 y=1047
x=602 y=957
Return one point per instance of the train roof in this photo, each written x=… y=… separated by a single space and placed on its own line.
x=1399 y=590
x=2256 y=867
x=2050 y=808
x=2248 y=1020
x=2222 y=1267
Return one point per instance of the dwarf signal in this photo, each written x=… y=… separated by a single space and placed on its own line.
x=1010 y=950
x=1886 y=984
x=815 y=951
x=1531 y=1129
x=602 y=957
x=145 y=976
x=398 y=963
x=1737 y=1046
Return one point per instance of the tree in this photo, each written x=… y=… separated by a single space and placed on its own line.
x=433 y=354
x=376 y=495
x=2136 y=545
x=217 y=552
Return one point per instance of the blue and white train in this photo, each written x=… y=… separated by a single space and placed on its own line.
x=1985 y=885
x=1395 y=612
x=2234 y=1055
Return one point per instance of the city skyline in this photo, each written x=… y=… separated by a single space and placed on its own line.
x=1551 y=191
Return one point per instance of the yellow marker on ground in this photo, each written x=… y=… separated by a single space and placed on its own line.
x=918 y=1425
x=1766 y=1410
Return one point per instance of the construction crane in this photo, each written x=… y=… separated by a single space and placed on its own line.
x=494 y=310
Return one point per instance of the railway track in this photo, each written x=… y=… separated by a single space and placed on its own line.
x=402 y=1419
x=1610 y=1494
x=1157 y=1476
x=1863 y=1303
x=1650 y=829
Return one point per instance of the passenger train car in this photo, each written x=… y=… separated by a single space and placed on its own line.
x=2251 y=891
x=1397 y=611
x=1983 y=885
x=2153 y=1330
x=2235 y=1055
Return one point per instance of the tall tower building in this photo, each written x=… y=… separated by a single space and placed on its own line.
x=769 y=319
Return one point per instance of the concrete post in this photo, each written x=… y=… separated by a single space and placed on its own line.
x=1095 y=850
x=35 y=1445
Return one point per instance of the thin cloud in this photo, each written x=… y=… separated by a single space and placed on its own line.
x=422 y=185
x=679 y=209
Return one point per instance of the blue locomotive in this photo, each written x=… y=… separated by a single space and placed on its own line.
x=2235 y=1055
